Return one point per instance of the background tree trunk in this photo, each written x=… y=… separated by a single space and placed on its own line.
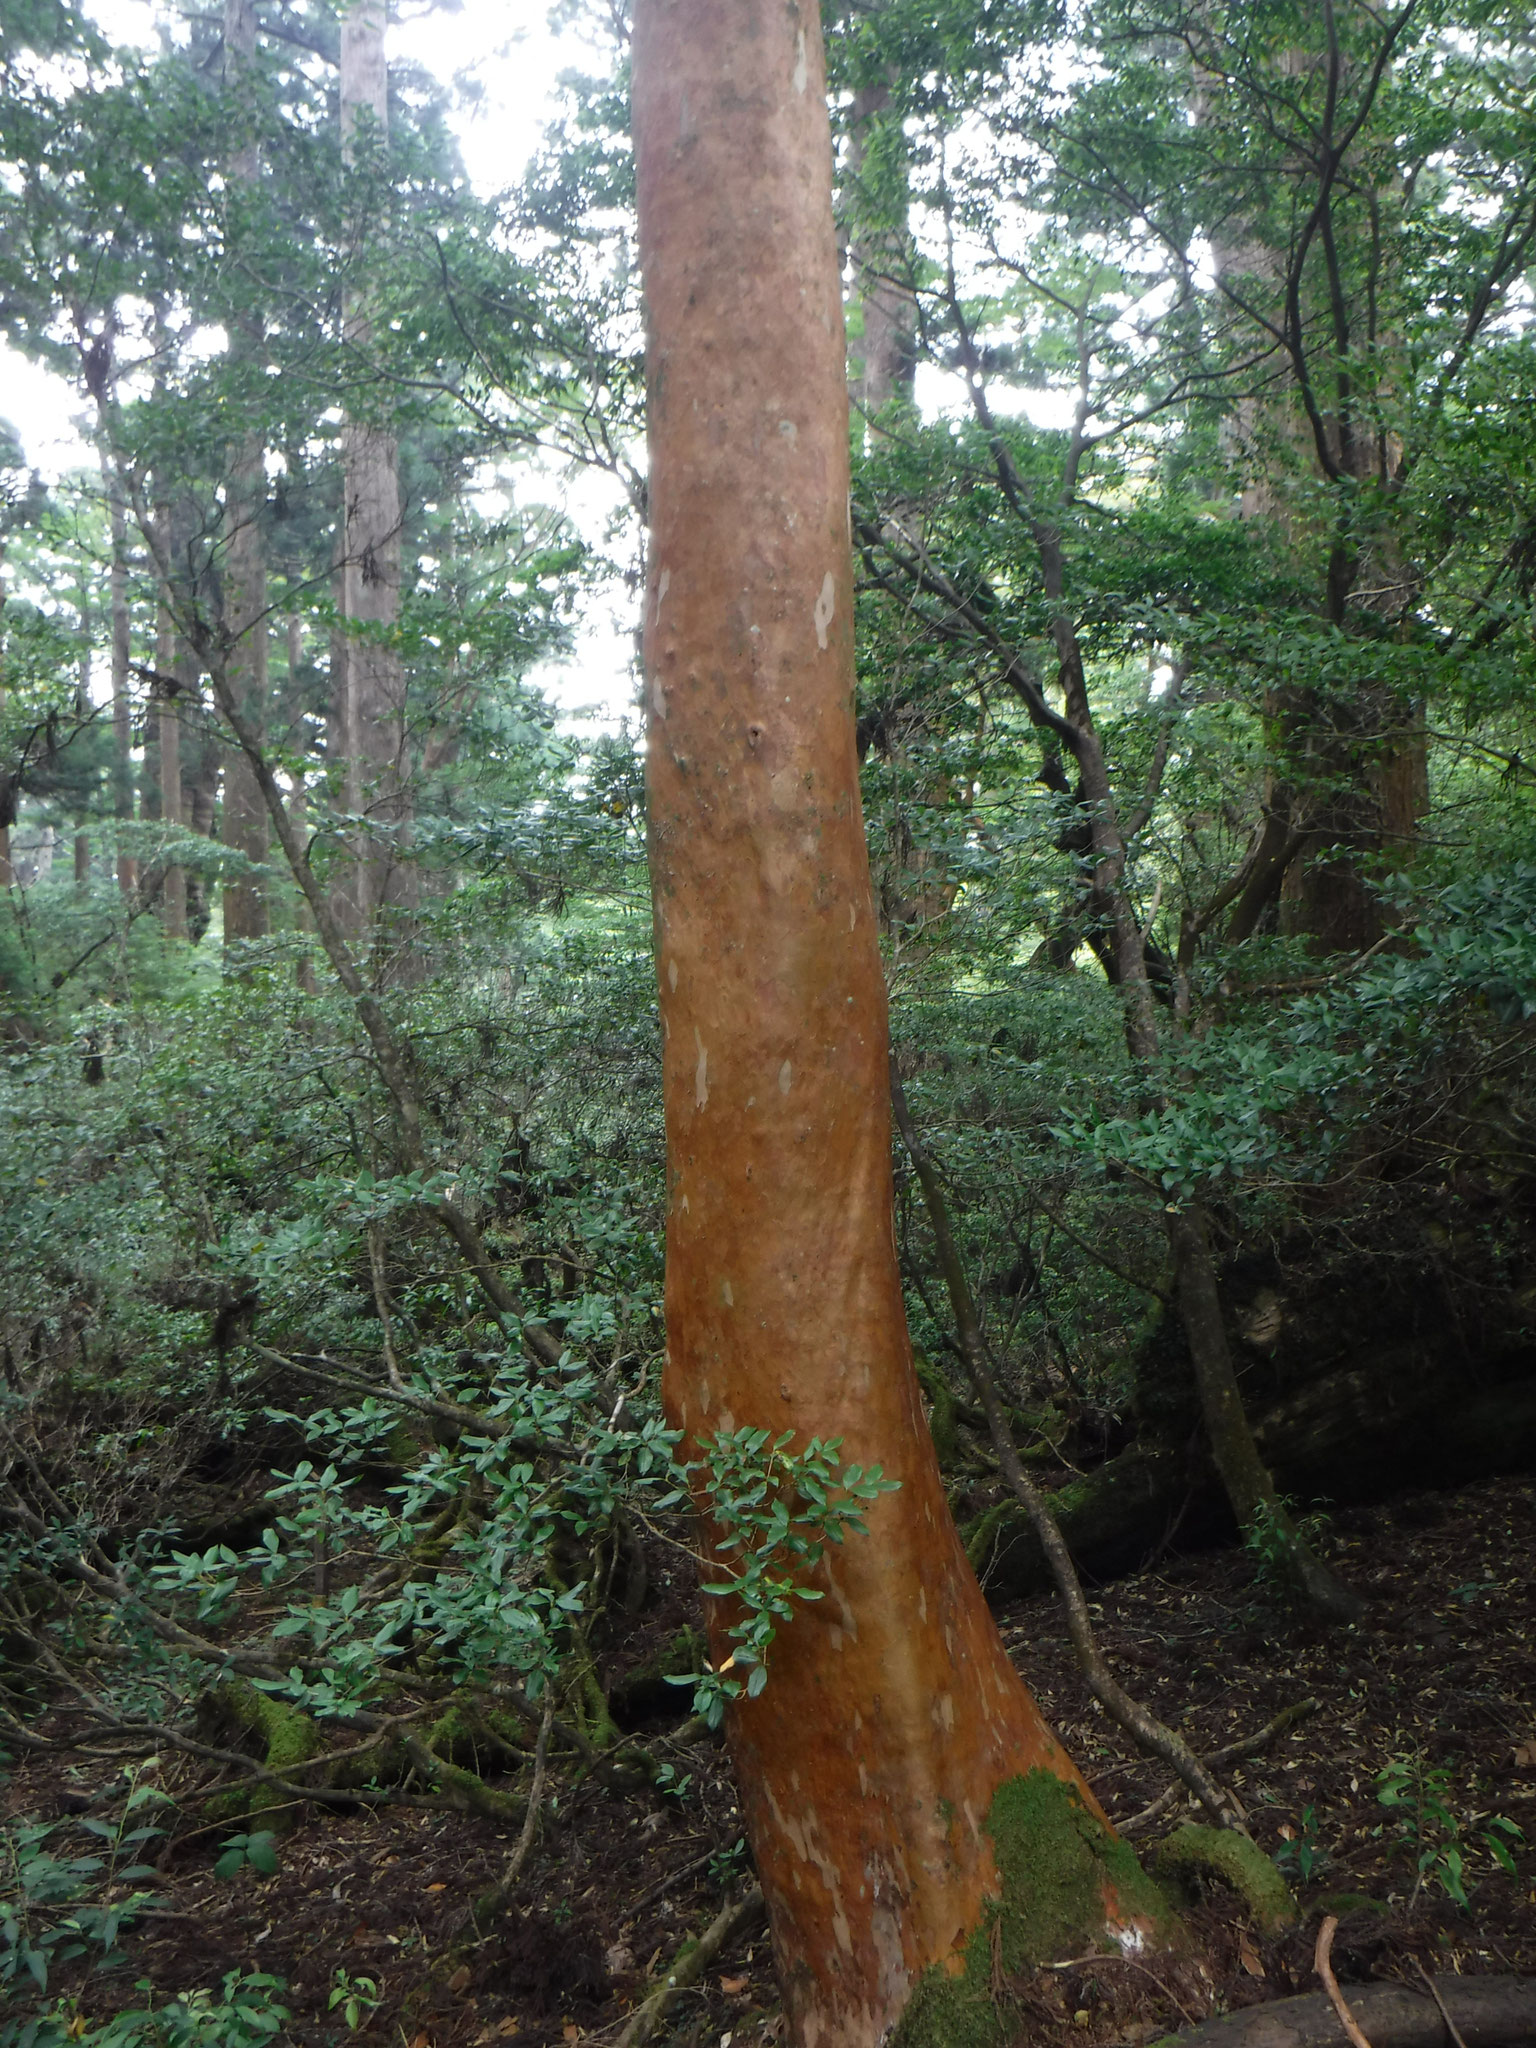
x=884 y=357
x=246 y=913
x=892 y=1718
x=373 y=721
x=171 y=661
x=122 y=654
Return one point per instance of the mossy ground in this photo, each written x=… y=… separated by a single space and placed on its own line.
x=1064 y=1878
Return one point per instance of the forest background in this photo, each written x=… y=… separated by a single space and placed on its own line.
x=1196 y=739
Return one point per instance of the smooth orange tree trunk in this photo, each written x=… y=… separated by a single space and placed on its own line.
x=892 y=1719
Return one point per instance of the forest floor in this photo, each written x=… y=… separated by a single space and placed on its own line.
x=1435 y=1694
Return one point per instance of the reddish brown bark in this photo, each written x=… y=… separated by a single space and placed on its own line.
x=891 y=1714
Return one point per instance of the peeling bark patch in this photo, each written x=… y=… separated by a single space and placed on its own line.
x=672 y=976
x=786 y=1077
x=700 y=1073
x=826 y=604
x=726 y=1295
x=802 y=69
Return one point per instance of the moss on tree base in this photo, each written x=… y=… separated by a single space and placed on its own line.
x=1069 y=1886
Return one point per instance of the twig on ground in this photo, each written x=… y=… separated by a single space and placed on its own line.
x=658 y=1891
x=688 y=1969
x=1324 y=1968
x=1077 y=1962
x=1434 y=1991
x=1249 y=1745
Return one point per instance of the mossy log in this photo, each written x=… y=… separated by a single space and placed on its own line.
x=1330 y=1430
x=290 y=1738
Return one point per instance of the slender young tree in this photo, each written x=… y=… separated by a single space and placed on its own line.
x=893 y=1731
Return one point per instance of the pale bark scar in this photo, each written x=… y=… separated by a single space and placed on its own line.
x=826 y=604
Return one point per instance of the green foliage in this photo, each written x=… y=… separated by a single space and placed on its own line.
x=773 y=1511
x=1418 y=1794
x=57 y=1907
x=1303 y=1856
x=256 y=1852
x=358 y=1998
x=244 y=2013
x=1270 y=1538
x=250 y=1369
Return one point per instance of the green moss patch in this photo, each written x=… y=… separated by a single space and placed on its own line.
x=290 y=1736
x=1060 y=1866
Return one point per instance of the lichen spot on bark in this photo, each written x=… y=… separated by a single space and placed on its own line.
x=786 y=1077
x=1066 y=1885
x=700 y=1073
x=802 y=70
x=826 y=604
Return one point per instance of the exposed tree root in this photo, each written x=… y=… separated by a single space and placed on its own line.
x=689 y=1965
x=1192 y=1853
x=290 y=1736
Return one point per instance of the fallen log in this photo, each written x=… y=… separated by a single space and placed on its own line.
x=1334 y=1431
x=1485 y=2012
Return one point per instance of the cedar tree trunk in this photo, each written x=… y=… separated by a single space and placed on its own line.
x=244 y=825
x=175 y=679
x=122 y=656
x=374 y=727
x=876 y=1768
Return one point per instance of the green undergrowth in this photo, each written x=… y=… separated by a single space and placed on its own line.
x=1059 y=1865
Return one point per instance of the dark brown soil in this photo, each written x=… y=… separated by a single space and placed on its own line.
x=1441 y=1680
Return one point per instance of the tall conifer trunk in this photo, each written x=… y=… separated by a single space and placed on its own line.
x=373 y=720
x=122 y=655
x=246 y=914
x=892 y=1721
x=7 y=798
x=173 y=667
